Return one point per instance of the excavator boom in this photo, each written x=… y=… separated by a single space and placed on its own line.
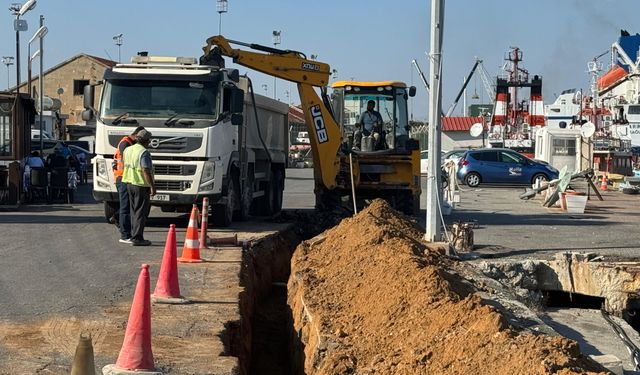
x=324 y=132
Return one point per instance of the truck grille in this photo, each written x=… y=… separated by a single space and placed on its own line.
x=174 y=170
x=173 y=185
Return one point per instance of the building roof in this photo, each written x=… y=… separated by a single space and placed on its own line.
x=105 y=62
x=459 y=124
x=296 y=114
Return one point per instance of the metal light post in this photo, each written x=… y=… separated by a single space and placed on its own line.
x=276 y=40
x=435 y=109
x=222 y=7
x=42 y=31
x=20 y=25
x=8 y=61
x=118 y=41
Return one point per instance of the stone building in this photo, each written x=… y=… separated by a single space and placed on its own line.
x=66 y=81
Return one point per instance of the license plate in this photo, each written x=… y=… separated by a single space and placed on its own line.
x=160 y=197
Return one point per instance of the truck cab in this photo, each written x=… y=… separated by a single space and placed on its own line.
x=205 y=137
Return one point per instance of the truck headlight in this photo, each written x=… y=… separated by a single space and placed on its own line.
x=207 y=172
x=101 y=166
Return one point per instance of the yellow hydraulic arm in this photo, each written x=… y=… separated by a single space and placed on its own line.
x=324 y=132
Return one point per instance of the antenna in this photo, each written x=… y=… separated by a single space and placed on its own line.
x=588 y=129
x=476 y=129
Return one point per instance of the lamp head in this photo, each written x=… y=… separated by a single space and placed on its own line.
x=29 y=5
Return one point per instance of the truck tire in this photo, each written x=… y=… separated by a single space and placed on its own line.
x=222 y=213
x=278 y=190
x=264 y=204
x=110 y=209
x=246 y=198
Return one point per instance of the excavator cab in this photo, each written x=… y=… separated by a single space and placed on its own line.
x=389 y=164
x=390 y=97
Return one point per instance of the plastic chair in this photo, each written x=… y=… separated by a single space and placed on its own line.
x=59 y=185
x=39 y=183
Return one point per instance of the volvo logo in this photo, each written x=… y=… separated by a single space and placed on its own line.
x=156 y=142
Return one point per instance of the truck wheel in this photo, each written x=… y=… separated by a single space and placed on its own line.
x=110 y=210
x=246 y=198
x=222 y=214
x=278 y=189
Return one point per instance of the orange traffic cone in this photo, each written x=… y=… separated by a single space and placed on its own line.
x=604 y=183
x=191 y=249
x=136 y=354
x=204 y=223
x=168 y=287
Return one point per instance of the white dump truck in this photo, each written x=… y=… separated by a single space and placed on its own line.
x=211 y=136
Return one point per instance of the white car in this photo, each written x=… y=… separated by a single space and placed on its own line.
x=424 y=161
x=35 y=134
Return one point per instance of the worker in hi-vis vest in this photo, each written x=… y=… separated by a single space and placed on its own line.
x=138 y=176
x=123 y=217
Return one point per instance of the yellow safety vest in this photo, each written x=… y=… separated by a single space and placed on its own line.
x=132 y=173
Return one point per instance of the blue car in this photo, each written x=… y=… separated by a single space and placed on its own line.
x=502 y=166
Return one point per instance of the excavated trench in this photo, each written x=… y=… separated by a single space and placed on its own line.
x=261 y=340
x=302 y=330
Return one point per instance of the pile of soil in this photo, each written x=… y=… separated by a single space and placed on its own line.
x=370 y=297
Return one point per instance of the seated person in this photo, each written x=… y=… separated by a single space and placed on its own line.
x=369 y=124
x=57 y=160
x=35 y=161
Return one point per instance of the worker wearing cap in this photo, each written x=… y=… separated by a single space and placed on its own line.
x=124 y=216
x=138 y=176
x=369 y=124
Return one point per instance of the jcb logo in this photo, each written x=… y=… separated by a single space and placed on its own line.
x=318 y=121
x=310 y=66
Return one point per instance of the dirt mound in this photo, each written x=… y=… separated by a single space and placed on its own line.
x=369 y=297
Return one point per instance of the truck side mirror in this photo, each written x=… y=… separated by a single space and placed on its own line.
x=412 y=91
x=88 y=92
x=87 y=115
x=237 y=101
x=237 y=119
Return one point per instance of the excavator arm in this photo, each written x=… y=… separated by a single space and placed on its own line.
x=324 y=132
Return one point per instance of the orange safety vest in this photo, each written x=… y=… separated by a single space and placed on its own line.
x=117 y=157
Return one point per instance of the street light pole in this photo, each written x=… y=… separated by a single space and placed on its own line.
x=42 y=31
x=222 y=7
x=41 y=81
x=20 y=25
x=276 y=41
x=8 y=61
x=118 y=41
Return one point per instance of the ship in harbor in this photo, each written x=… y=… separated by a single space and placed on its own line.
x=516 y=119
x=611 y=106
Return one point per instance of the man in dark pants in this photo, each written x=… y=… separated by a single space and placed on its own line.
x=124 y=216
x=140 y=184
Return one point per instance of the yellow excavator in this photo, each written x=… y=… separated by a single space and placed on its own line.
x=383 y=165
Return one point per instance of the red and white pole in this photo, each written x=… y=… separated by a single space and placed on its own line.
x=205 y=223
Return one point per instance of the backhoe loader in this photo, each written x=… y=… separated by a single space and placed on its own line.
x=344 y=176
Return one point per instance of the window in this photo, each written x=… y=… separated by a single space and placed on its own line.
x=485 y=155
x=508 y=157
x=564 y=147
x=78 y=86
x=5 y=134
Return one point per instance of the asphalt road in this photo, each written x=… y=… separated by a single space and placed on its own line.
x=66 y=259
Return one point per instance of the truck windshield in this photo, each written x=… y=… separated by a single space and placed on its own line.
x=153 y=99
